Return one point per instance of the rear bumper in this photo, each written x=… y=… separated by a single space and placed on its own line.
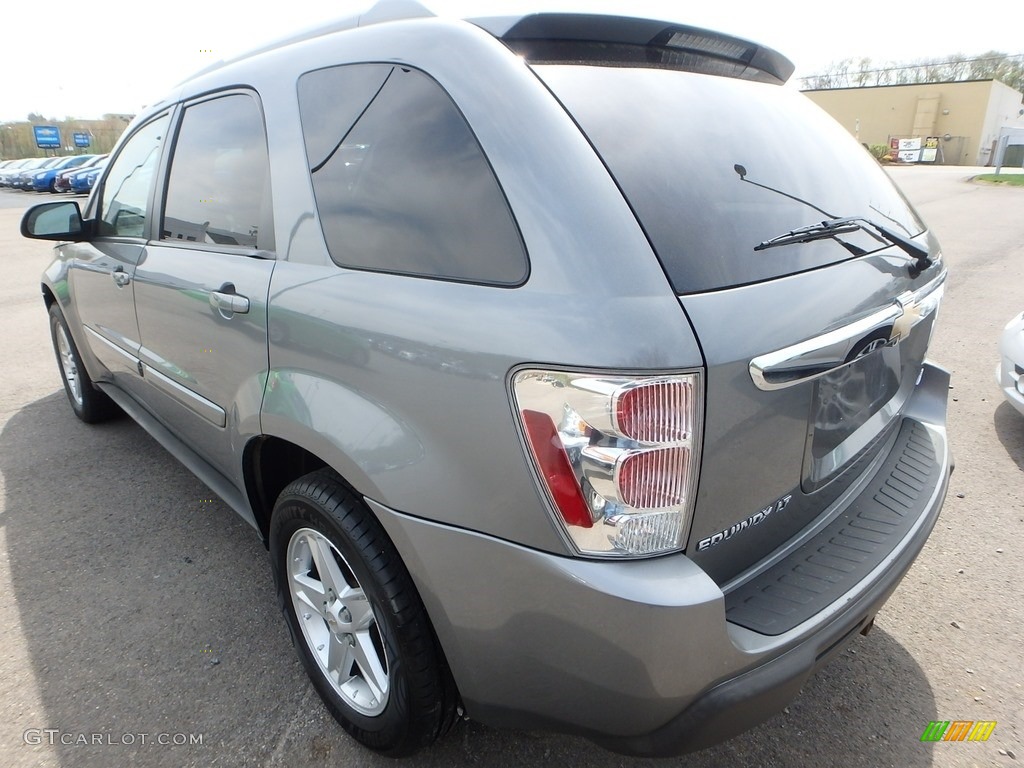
x=641 y=656
x=738 y=703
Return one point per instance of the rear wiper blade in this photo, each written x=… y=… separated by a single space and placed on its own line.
x=820 y=231
x=842 y=226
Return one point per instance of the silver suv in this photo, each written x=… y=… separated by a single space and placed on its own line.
x=571 y=368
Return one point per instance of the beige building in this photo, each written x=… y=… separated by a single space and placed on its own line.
x=962 y=119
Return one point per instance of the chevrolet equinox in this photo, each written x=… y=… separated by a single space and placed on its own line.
x=571 y=368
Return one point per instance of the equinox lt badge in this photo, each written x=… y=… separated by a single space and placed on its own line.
x=751 y=521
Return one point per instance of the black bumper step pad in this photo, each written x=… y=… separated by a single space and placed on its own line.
x=832 y=563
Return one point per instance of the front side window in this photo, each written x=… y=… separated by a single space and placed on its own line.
x=218 y=186
x=401 y=183
x=125 y=200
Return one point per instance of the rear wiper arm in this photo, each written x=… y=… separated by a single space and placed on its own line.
x=833 y=227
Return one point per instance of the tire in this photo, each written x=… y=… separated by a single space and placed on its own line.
x=89 y=403
x=362 y=632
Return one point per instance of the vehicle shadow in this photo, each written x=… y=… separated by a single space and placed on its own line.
x=146 y=608
x=1009 y=426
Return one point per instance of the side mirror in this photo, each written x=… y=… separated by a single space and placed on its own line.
x=54 y=221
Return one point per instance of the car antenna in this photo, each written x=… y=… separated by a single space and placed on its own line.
x=742 y=173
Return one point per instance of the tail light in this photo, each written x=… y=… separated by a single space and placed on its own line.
x=616 y=456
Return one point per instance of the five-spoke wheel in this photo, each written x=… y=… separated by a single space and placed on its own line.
x=88 y=403
x=337 y=621
x=356 y=619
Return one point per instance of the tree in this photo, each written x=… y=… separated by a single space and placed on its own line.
x=996 y=65
x=993 y=65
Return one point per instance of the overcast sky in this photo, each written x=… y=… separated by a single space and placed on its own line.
x=84 y=59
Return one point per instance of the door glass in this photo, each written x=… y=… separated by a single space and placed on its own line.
x=218 y=192
x=125 y=200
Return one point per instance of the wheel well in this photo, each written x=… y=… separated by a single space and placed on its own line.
x=270 y=464
x=48 y=297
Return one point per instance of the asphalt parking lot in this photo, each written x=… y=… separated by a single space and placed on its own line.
x=138 y=623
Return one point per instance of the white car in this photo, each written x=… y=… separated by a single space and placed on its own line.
x=1010 y=372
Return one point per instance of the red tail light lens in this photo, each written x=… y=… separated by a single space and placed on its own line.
x=616 y=455
x=653 y=479
x=654 y=412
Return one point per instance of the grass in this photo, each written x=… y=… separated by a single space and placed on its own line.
x=1012 y=179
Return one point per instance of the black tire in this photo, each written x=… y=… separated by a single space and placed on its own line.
x=419 y=701
x=89 y=403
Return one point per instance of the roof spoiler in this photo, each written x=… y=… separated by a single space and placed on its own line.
x=622 y=41
x=584 y=39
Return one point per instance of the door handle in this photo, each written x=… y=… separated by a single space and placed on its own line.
x=821 y=355
x=121 y=277
x=817 y=357
x=229 y=303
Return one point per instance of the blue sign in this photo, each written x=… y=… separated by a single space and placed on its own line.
x=82 y=140
x=47 y=136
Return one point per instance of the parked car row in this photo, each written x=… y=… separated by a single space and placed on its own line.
x=72 y=173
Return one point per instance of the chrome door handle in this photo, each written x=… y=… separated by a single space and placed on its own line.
x=121 y=277
x=229 y=303
x=816 y=357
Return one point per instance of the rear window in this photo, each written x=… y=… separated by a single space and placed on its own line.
x=713 y=166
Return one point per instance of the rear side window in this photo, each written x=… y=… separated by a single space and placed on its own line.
x=125 y=202
x=401 y=183
x=218 y=189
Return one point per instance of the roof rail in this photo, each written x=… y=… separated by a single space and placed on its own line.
x=382 y=11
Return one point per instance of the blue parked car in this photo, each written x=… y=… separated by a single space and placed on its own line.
x=82 y=183
x=63 y=181
x=44 y=180
x=79 y=183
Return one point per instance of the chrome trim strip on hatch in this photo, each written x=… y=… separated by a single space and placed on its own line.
x=814 y=358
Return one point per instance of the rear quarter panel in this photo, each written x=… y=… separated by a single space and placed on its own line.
x=408 y=399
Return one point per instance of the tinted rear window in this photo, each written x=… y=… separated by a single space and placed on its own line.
x=672 y=140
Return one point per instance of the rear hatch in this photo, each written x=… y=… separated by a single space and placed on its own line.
x=814 y=342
